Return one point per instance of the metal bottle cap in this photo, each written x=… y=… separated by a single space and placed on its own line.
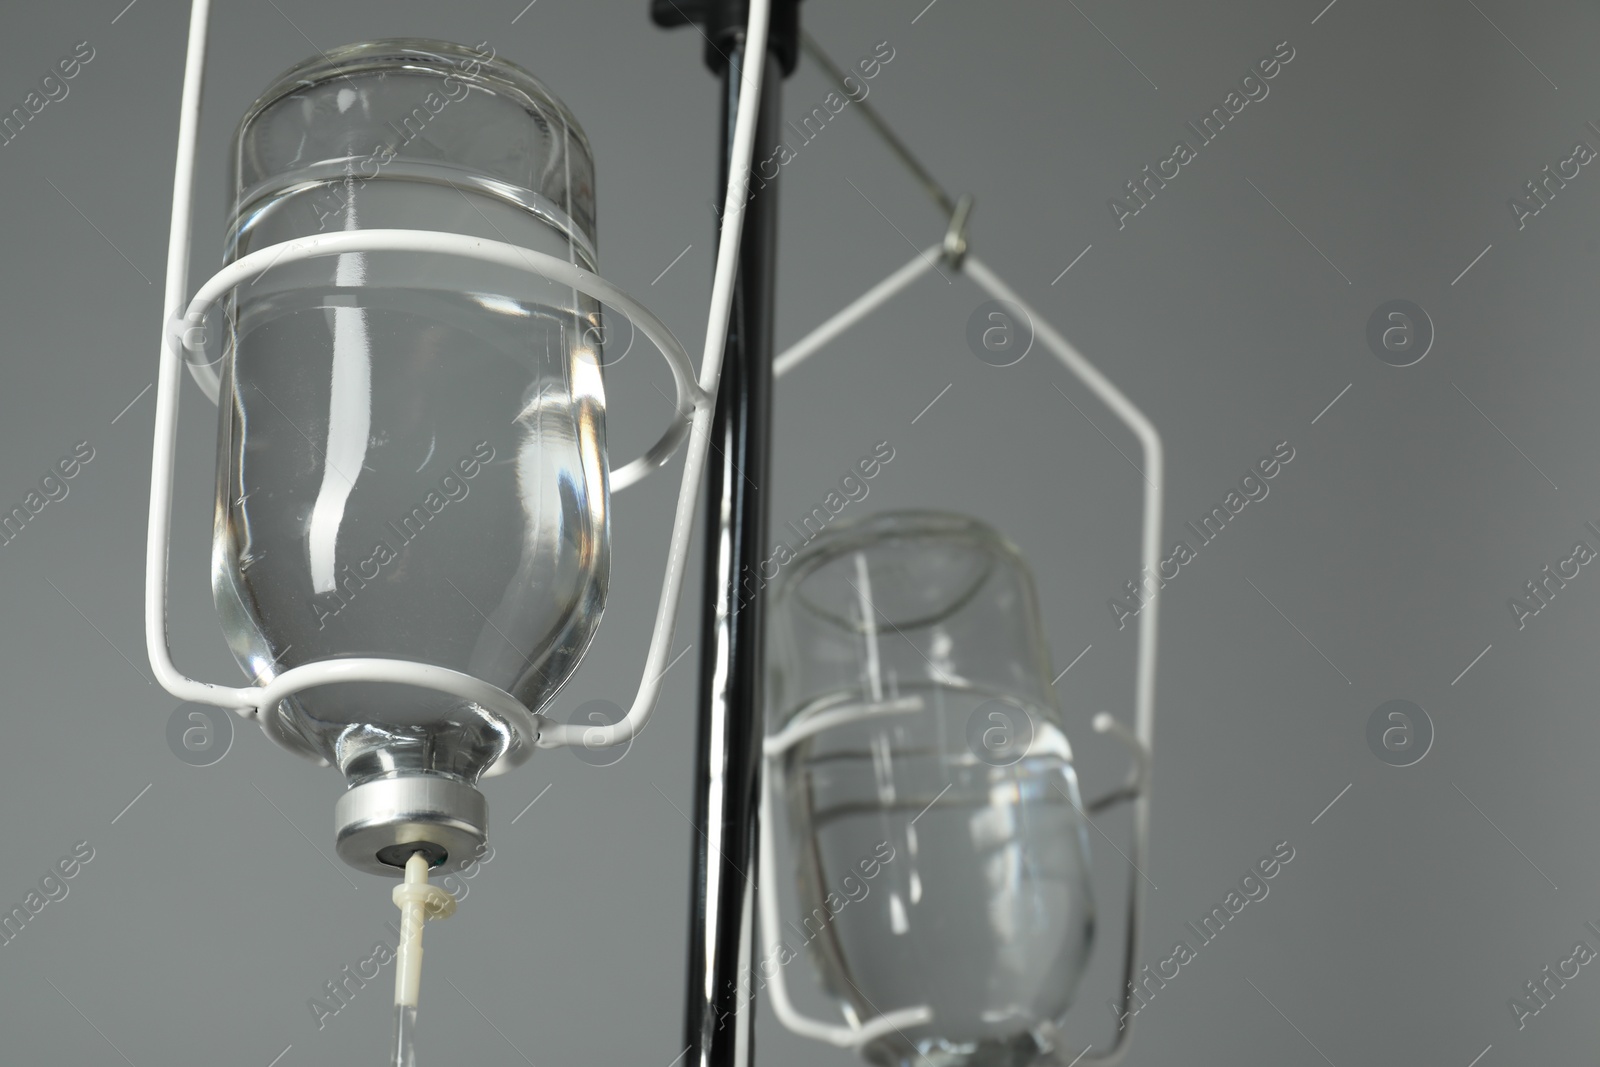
x=379 y=824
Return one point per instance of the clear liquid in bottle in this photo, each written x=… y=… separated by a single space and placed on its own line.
x=415 y=470
x=980 y=907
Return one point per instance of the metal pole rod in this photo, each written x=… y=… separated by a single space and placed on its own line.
x=902 y=151
x=719 y=1011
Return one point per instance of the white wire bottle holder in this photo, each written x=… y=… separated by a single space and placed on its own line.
x=184 y=335
x=1139 y=740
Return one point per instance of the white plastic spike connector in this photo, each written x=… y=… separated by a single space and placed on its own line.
x=417 y=901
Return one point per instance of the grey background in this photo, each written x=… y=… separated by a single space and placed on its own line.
x=207 y=918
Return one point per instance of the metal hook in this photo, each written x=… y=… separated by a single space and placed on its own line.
x=955 y=238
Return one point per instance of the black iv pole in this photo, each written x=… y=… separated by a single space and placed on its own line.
x=719 y=1010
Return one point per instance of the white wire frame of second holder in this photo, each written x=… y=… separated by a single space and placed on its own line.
x=1080 y=367
x=258 y=701
x=1141 y=738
